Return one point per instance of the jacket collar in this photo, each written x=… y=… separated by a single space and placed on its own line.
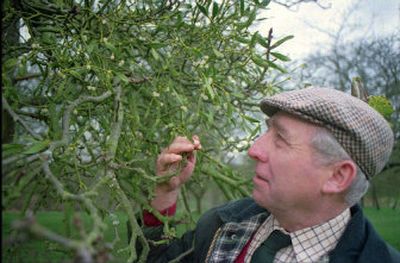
x=237 y=211
x=359 y=242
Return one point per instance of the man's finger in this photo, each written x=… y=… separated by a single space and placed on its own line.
x=179 y=148
x=181 y=139
x=168 y=158
x=196 y=142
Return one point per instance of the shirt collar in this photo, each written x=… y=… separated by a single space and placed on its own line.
x=311 y=243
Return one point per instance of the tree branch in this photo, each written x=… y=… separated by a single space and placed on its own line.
x=17 y=118
x=118 y=118
x=112 y=144
x=291 y=3
x=31 y=225
x=71 y=107
x=28 y=77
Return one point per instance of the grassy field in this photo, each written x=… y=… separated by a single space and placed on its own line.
x=386 y=221
x=38 y=251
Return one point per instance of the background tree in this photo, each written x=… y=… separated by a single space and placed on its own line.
x=92 y=90
x=376 y=60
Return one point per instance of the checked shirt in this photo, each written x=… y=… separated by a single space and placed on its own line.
x=308 y=245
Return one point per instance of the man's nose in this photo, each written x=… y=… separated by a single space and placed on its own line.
x=257 y=151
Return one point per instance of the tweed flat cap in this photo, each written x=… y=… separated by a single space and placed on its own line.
x=362 y=131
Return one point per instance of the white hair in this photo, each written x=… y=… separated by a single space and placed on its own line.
x=330 y=151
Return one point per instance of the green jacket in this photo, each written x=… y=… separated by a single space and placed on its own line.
x=359 y=243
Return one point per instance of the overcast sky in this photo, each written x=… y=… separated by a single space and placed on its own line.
x=371 y=18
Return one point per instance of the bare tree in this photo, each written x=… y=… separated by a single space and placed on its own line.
x=376 y=60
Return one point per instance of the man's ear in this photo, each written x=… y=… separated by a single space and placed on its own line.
x=343 y=174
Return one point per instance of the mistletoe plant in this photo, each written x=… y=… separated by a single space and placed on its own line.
x=92 y=90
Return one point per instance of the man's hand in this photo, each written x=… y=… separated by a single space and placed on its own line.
x=176 y=163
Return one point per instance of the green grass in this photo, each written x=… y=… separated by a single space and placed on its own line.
x=386 y=222
x=38 y=250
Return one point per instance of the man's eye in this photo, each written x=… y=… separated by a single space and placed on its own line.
x=279 y=140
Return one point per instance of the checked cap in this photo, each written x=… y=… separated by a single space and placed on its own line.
x=362 y=131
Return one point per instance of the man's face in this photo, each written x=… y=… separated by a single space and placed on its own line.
x=286 y=174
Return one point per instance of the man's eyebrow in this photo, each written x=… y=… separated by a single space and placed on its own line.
x=272 y=122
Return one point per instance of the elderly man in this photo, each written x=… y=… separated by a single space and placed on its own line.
x=313 y=165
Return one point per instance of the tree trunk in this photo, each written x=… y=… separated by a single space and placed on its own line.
x=10 y=35
x=375 y=197
x=396 y=202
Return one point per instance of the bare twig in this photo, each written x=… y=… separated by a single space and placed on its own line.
x=112 y=144
x=75 y=103
x=32 y=115
x=28 y=77
x=30 y=224
x=267 y=54
x=98 y=225
x=181 y=256
x=56 y=183
x=118 y=118
x=292 y=3
x=17 y=118
x=138 y=81
x=16 y=158
x=139 y=170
